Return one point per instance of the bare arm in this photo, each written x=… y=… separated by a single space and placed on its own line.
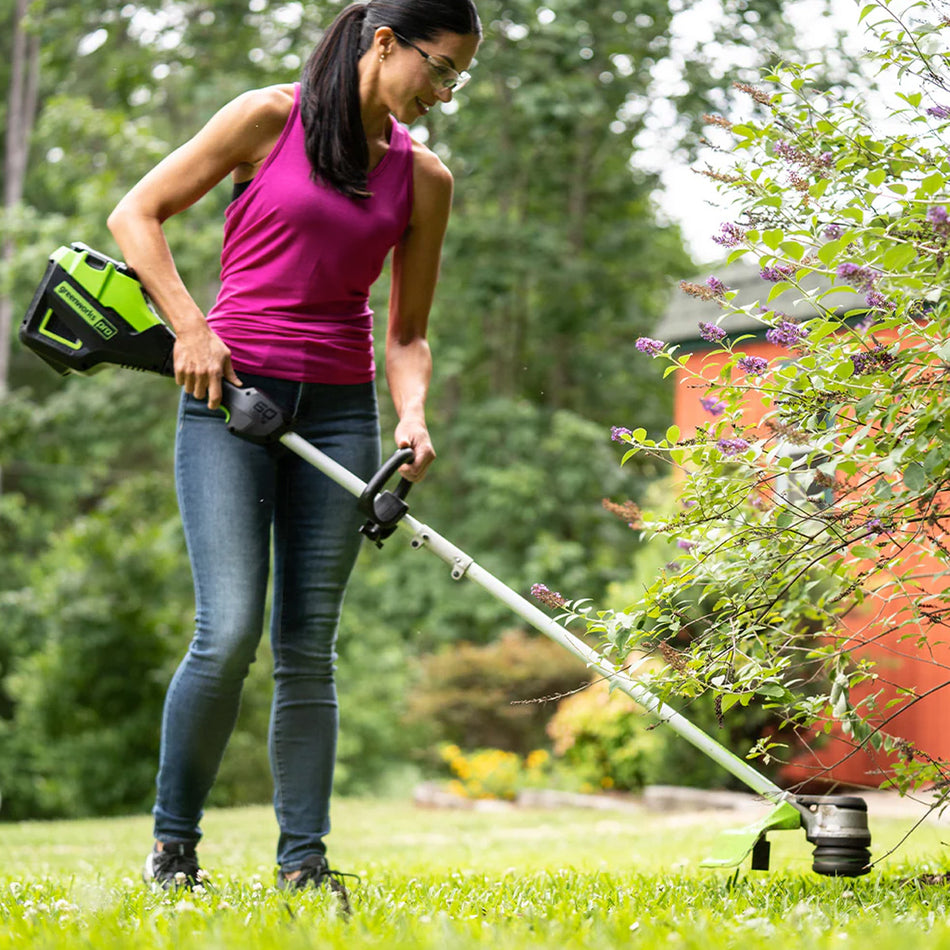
x=415 y=273
x=239 y=136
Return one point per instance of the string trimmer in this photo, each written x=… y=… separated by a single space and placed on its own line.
x=90 y=311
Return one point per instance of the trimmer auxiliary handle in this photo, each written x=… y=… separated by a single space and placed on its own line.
x=90 y=311
x=385 y=508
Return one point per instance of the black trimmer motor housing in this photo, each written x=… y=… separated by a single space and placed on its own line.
x=837 y=825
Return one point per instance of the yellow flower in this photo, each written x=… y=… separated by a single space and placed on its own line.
x=537 y=759
x=449 y=752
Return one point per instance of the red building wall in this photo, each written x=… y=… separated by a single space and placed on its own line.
x=917 y=658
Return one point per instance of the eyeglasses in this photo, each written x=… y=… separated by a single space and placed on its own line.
x=443 y=75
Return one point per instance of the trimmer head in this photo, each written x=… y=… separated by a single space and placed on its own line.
x=90 y=311
x=837 y=825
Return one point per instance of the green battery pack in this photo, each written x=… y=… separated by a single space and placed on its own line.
x=90 y=311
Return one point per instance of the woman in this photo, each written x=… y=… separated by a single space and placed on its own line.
x=326 y=183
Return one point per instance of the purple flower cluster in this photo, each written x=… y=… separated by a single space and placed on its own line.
x=684 y=545
x=937 y=217
x=711 y=333
x=651 y=347
x=549 y=597
x=786 y=333
x=861 y=277
x=786 y=151
x=732 y=447
x=754 y=365
x=872 y=361
x=939 y=112
x=716 y=286
x=619 y=434
x=712 y=405
x=730 y=235
x=834 y=231
x=777 y=272
x=878 y=301
x=797 y=156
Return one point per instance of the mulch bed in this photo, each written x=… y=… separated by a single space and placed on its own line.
x=938 y=880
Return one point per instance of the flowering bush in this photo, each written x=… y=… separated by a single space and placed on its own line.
x=823 y=521
x=605 y=740
x=494 y=773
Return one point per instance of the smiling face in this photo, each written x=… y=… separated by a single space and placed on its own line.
x=410 y=78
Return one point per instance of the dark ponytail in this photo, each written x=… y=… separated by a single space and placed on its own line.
x=330 y=96
x=330 y=106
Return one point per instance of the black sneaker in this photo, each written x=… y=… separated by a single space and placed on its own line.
x=314 y=872
x=176 y=865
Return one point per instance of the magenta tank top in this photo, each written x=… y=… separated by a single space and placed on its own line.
x=298 y=261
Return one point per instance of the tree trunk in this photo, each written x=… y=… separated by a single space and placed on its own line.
x=21 y=114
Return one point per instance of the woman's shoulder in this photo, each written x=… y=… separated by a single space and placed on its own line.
x=266 y=107
x=428 y=169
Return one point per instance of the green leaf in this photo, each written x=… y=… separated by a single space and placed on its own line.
x=932 y=184
x=728 y=701
x=936 y=457
x=899 y=256
x=844 y=370
x=778 y=289
x=773 y=238
x=883 y=490
x=673 y=434
x=876 y=176
x=828 y=252
x=915 y=478
x=942 y=351
x=793 y=249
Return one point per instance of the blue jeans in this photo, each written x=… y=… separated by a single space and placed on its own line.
x=234 y=498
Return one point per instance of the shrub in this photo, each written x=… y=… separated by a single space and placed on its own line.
x=496 y=696
x=605 y=739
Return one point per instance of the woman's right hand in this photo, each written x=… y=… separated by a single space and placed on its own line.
x=202 y=360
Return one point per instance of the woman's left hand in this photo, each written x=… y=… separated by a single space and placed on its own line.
x=412 y=433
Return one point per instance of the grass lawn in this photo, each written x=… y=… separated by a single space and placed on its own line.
x=445 y=879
